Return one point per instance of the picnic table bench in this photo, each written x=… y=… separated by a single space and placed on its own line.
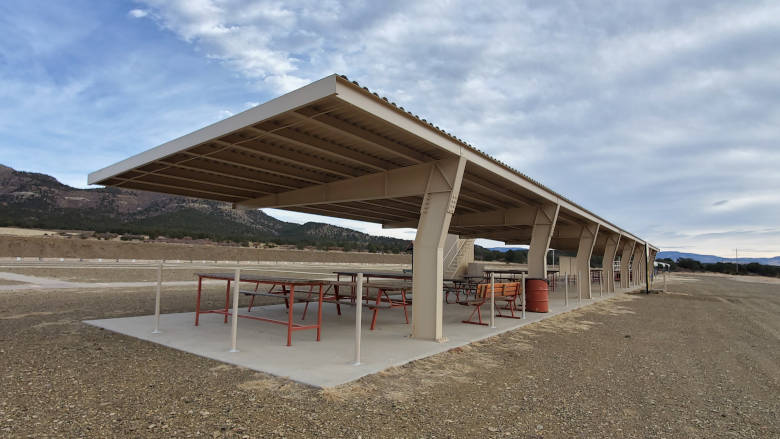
x=504 y=293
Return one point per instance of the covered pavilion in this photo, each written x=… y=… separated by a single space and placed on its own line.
x=335 y=148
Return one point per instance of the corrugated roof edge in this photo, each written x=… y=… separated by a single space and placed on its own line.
x=454 y=138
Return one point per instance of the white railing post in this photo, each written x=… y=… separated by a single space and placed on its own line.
x=358 y=317
x=234 y=331
x=664 y=281
x=493 y=300
x=566 y=290
x=157 y=300
x=579 y=289
x=522 y=279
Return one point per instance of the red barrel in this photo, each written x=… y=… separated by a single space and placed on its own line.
x=536 y=298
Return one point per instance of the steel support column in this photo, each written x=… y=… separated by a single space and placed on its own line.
x=608 y=261
x=636 y=264
x=542 y=232
x=435 y=213
x=625 y=261
x=651 y=267
x=584 y=253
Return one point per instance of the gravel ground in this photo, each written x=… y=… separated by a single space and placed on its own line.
x=700 y=361
x=170 y=273
x=92 y=274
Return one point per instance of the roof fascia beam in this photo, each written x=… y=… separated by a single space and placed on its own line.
x=295 y=99
x=401 y=182
x=500 y=217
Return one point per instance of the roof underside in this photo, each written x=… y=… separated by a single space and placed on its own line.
x=308 y=139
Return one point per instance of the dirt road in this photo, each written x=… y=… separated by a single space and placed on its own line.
x=700 y=361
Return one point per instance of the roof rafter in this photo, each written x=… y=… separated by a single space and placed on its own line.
x=303 y=140
x=364 y=136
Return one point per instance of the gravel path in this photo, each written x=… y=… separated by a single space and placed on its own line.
x=700 y=361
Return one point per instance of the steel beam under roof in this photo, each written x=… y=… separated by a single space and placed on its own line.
x=331 y=131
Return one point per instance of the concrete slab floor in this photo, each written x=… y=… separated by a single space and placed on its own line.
x=328 y=363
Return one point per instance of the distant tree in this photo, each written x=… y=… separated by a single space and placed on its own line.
x=509 y=256
x=690 y=264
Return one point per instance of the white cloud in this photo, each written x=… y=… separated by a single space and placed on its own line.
x=649 y=113
x=138 y=13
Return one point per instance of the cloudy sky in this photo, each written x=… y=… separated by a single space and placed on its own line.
x=661 y=116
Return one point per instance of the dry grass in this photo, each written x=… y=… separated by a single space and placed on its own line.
x=15 y=231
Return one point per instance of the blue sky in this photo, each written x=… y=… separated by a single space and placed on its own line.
x=661 y=116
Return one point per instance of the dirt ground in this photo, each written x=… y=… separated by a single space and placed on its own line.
x=700 y=361
x=10 y=282
x=57 y=247
x=16 y=231
x=92 y=274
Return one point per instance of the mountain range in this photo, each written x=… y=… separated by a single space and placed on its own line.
x=34 y=200
x=673 y=255
x=711 y=259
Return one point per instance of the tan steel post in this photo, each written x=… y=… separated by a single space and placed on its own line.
x=234 y=329
x=636 y=264
x=584 y=252
x=157 y=300
x=439 y=201
x=608 y=260
x=625 y=261
x=601 y=284
x=541 y=233
x=651 y=264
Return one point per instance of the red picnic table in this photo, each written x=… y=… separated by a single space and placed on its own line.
x=387 y=296
x=286 y=290
x=367 y=275
x=318 y=291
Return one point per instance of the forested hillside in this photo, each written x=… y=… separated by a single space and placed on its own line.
x=35 y=200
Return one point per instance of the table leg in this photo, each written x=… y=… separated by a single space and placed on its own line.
x=291 y=302
x=227 y=299
x=197 y=301
x=252 y=300
x=376 y=310
x=319 y=315
x=353 y=277
x=306 y=307
x=338 y=305
x=403 y=297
